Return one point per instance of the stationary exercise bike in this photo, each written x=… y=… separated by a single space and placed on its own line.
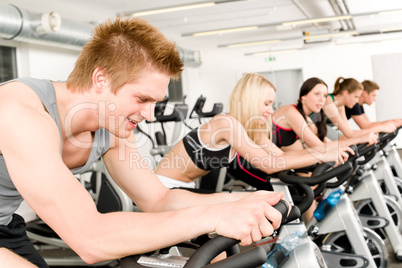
x=210 y=181
x=307 y=254
x=107 y=196
x=368 y=188
x=198 y=107
x=389 y=185
x=161 y=146
x=297 y=190
x=385 y=166
x=393 y=158
x=342 y=239
x=202 y=256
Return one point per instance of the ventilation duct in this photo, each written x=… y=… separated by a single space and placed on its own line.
x=49 y=29
x=190 y=58
x=22 y=25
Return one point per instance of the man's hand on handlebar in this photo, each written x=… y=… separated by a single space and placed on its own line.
x=388 y=127
x=249 y=219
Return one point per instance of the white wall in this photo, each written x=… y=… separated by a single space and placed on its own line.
x=387 y=71
x=221 y=69
x=46 y=62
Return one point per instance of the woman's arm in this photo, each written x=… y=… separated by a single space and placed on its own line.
x=303 y=129
x=337 y=116
x=266 y=156
x=307 y=132
x=364 y=122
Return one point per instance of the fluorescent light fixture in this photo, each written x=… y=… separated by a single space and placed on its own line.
x=298 y=22
x=240 y=29
x=271 y=52
x=251 y=43
x=330 y=35
x=171 y=9
x=391 y=30
x=178 y=8
x=390 y=12
x=287 y=23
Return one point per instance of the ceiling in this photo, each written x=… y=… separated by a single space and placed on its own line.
x=270 y=14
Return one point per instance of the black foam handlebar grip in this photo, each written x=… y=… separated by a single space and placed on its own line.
x=313 y=180
x=250 y=258
x=287 y=216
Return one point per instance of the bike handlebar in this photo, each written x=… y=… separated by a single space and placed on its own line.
x=321 y=174
x=385 y=138
x=327 y=174
x=246 y=259
x=201 y=258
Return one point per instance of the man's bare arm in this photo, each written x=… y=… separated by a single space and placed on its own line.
x=39 y=174
x=364 y=122
x=9 y=259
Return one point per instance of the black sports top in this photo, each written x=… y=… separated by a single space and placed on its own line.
x=203 y=157
x=283 y=136
x=356 y=110
x=241 y=169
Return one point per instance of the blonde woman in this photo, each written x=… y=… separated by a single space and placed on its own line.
x=245 y=131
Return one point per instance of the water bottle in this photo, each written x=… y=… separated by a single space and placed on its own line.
x=280 y=254
x=328 y=203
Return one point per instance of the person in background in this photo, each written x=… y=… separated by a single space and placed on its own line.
x=245 y=131
x=346 y=93
x=305 y=123
x=369 y=95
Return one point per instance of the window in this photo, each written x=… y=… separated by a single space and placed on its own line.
x=8 y=64
x=175 y=90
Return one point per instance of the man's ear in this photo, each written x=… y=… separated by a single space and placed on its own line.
x=99 y=80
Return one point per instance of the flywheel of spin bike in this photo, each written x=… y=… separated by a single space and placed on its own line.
x=339 y=242
x=366 y=207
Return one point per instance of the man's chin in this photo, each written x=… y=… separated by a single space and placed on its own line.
x=122 y=134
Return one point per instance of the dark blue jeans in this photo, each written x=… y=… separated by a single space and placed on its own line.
x=14 y=237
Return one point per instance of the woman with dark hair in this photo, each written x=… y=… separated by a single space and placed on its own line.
x=305 y=123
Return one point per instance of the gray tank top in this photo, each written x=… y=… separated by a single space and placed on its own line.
x=10 y=199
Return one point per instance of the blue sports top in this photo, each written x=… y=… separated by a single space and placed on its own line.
x=10 y=198
x=204 y=157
